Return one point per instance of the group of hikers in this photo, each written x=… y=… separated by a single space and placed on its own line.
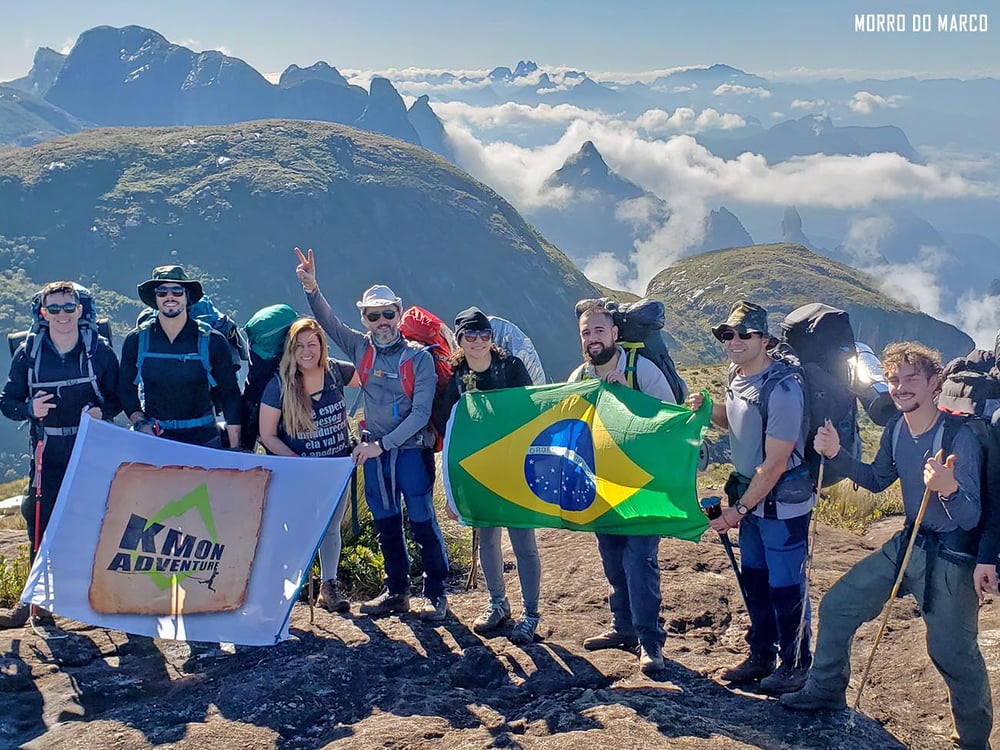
x=175 y=373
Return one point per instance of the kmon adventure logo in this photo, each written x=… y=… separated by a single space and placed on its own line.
x=177 y=540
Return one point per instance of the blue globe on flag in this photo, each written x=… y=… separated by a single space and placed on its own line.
x=559 y=466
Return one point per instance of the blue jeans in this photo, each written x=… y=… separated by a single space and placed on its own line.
x=394 y=478
x=633 y=571
x=773 y=559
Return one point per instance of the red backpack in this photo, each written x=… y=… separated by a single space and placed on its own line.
x=417 y=324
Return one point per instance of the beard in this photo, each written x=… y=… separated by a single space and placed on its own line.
x=172 y=312
x=602 y=357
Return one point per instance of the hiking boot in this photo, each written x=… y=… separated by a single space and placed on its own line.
x=15 y=617
x=492 y=616
x=331 y=599
x=435 y=609
x=610 y=638
x=524 y=629
x=386 y=603
x=811 y=698
x=785 y=679
x=751 y=669
x=650 y=660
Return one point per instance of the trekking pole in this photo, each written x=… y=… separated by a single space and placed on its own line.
x=36 y=541
x=807 y=564
x=312 y=603
x=470 y=582
x=713 y=509
x=895 y=588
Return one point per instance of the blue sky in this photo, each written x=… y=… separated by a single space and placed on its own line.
x=767 y=36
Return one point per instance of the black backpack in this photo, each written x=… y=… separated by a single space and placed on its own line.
x=988 y=438
x=969 y=383
x=640 y=334
x=816 y=346
x=92 y=329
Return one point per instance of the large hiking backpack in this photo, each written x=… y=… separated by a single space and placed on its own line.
x=92 y=329
x=988 y=438
x=971 y=385
x=640 y=334
x=514 y=341
x=265 y=333
x=816 y=346
x=427 y=329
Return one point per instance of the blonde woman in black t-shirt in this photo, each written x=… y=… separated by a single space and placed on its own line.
x=302 y=413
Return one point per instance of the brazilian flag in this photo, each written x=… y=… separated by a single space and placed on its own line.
x=586 y=456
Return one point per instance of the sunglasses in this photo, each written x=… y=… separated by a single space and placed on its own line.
x=67 y=307
x=374 y=316
x=478 y=335
x=730 y=335
x=173 y=291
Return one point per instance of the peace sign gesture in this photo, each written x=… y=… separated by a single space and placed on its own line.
x=306 y=270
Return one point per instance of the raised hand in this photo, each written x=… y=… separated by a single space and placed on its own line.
x=306 y=270
x=41 y=405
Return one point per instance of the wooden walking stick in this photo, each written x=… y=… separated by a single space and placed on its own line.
x=810 y=544
x=895 y=586
x=470 y=582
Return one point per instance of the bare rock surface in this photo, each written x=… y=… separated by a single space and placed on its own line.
x=397 y=682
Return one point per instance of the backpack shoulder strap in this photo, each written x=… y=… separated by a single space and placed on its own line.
x=143 y=348
x=204 y=342
x=631 y=362
x=338 y=378
x=367 y=363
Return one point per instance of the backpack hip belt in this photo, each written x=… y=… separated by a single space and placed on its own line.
x=186 y=424
x=60 y=431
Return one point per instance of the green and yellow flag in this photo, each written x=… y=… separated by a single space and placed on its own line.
x=586 y=456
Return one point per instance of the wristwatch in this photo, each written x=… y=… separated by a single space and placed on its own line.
x=741 y=508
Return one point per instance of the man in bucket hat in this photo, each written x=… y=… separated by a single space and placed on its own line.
x=770 y=498
x=180 y=363
x=396 y=452
x=171 y=368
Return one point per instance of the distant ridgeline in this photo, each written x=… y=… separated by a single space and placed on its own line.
x=133 y=76
x=229 y=202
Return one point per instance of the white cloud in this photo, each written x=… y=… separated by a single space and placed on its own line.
x=865 y=102
x=685 y=120
x=690 y=179
x=915 y=282
x=735 y=89
x=808 y=104
x=67 y=46
x=605 y=268
x=777 y=115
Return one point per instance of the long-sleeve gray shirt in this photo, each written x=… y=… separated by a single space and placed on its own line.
x=960 y=511
x=390 y=415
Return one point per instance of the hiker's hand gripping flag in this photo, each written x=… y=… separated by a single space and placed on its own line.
x=586 y=456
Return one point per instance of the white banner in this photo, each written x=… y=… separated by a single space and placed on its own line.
x=159 y=538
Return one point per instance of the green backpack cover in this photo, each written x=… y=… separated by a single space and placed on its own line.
x=267 y=328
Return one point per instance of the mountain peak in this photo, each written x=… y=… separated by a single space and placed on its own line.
x=319 y=70
x=524 y=68
x=588 y=157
